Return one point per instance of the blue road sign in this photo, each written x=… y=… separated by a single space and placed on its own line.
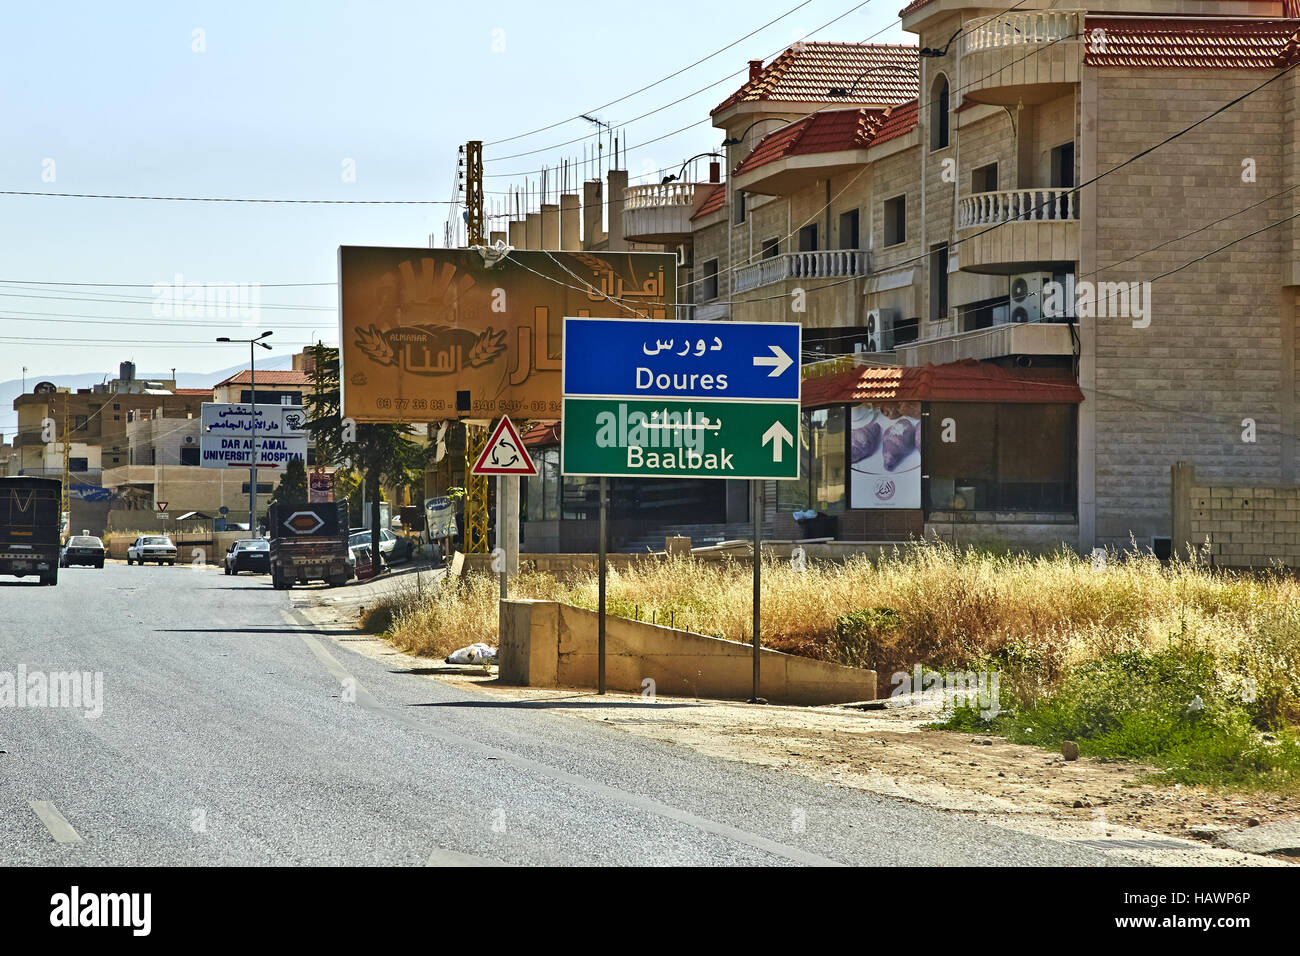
x=639 y=358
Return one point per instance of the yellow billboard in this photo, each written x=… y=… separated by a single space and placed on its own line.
x=427 y=334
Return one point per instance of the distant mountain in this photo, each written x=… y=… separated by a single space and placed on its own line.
x=14 y=387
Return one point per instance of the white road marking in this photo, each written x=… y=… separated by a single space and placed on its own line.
x=614 y=794
x=59 y=828
x=441 y=857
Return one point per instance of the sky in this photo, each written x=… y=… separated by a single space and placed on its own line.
x=333 y=100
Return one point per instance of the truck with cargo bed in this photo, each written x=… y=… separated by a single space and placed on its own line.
x=31 y=521
x=309 y=542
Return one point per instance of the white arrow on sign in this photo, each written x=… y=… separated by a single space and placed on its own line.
x=779 y=360
x=777 y=434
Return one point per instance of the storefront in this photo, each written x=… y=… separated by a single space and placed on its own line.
x=971 y=451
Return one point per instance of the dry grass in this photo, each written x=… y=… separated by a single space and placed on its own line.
x=1045 y=613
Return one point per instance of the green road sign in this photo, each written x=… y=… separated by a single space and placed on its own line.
x=665 y=438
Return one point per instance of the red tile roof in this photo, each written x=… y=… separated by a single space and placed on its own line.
x=270 y=377
x=899 y=121
x=193 y=391
x=965 y=381
x=542 y=433
x=820 y=133
x=1175 y=43
x=912 y=7
x=806 y=71
x=712 y=202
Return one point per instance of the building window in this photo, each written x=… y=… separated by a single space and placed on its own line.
x=984 y=179
x=117 y=408
x=542 y=501
x=78 y=464
x=849 y=229
x=189 y=456
x=895 y=220
x=79 y=423
x=1063 y=166
x=822 y=452
x=808 y=238
x=738 y=206
x=827 y=445
x=1011 y=458
x=771 y=248
x=939 y=282
x=939 y=114
x=709 y=281
x=263 y=488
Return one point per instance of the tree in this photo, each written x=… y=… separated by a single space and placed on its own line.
x=292 y=488
x=382 y=454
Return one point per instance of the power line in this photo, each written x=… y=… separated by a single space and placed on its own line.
x=594 y=109
x=231 y=199
x=660 y=109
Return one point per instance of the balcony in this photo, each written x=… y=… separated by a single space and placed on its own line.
x=1026 y=338
x=661 y=213
x=1036 y=227
x=830 y=264
x=1029 y=57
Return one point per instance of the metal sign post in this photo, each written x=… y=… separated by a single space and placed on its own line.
x=505 y=456
x=756 y=501
x=648 y=398
x=600 y=601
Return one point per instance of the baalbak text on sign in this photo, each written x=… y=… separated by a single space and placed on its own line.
x=428 y=334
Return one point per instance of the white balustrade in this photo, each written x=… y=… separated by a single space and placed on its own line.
x=1027 y=205
x=1029 y=26
x=827 y=264
x=656 y=196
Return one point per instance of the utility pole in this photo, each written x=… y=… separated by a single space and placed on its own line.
x=65 y=499
x=476 y=436
x=252 y=423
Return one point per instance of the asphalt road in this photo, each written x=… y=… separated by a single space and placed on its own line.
x=233 y=733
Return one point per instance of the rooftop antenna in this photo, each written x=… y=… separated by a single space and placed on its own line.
x=600 y=125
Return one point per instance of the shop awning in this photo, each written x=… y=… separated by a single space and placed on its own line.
x=965 y=381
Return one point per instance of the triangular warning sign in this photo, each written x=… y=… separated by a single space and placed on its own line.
x=162 y=505
x=505 y=453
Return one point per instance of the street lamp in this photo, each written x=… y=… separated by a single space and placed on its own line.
x=737 y=140
x=252 y=417
x=682 y=171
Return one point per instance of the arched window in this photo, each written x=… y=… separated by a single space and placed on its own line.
x=939 y=113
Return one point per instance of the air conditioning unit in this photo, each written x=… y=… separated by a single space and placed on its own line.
x=880 y=330
x=189 y=439
x=1026 y=299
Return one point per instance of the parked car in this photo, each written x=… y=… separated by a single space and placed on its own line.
x=393 y=548
x=250 y=554
x=151 y=547
x=83 y=549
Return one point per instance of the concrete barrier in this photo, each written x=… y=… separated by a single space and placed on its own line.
x=212 y=544
x=548 y=644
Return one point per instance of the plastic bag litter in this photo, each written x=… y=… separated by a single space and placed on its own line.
x=474 y=654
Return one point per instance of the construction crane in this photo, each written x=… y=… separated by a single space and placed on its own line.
x=476 y=436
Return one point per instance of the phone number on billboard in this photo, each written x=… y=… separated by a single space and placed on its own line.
x=438 y=405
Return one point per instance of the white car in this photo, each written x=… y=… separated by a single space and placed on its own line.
x=151 y=547
x=393 y=548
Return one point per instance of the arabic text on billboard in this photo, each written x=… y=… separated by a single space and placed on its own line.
x=428 y=334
